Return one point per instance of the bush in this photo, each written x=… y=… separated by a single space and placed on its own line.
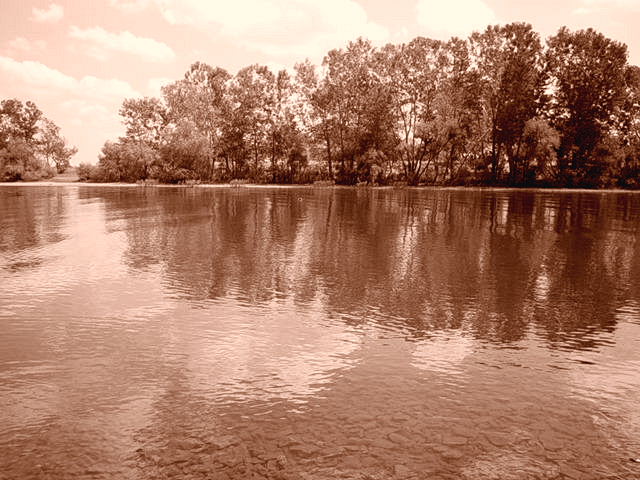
x=171 y=174
x=16 y=159
x=125 y=161
x=86 y=172
x=629 y=174
x=240 y=181
x=324 y=183
x=31 y=176
x=48 y=171
x=19 y=162
x=185 y=155
x=11 y=173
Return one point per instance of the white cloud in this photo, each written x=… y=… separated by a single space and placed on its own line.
x=88 y=125
x=45 y=80
x=630 y=4
x=102 y=42
x=285 y=28
x=582 y=11
x=86 y=108
x=52 y=14
x=81 y=111
x=595 y=6
x=155 y=84
x=130 y=6
x=24 y=45
x=454 y=17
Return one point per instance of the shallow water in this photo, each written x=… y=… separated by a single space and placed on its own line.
x=318 y=333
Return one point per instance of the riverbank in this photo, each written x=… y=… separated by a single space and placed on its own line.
x=70 y=175
x=62 y=183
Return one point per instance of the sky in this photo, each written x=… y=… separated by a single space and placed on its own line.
x=78 y=59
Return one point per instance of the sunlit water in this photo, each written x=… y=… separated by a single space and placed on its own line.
x=310 y=333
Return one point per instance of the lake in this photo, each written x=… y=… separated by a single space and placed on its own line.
x=317 y=333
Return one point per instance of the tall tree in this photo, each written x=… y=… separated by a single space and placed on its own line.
x=510 y=64
x=414 y=75
x=459 y=109
x=201 y=97
x=433 y=105
x=53 y=146
x=626 y=131
x=30 y=144
x=144 y=119
x=18 y=120
x=315 y=114
x=359 y=105
x=286 y=150
x=184 y=154
x=588 y=79
x=253 y=97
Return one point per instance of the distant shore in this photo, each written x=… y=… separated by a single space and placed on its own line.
x=59 y=183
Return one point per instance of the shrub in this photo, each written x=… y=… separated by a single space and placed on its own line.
x=240 y=181
x=185 y=155
x=166 y=173
x=86 y=172
x=31 y=176
x=48 y=171
x=125 y=161
x=11 y=173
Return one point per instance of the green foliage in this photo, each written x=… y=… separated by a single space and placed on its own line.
x=16 y=159
x=124 y=161
x=184 y=155
x=536 y=153
x=54 y=147
x=31 y=147
x=144 y=120
x=18 y=121
x=415 y=74
x=510 y=65
x=87 y=172
x=359 y=106
x=588 y=78
x=497 y=108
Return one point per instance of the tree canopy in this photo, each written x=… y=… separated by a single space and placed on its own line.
x=502 y=107
x=31 y=146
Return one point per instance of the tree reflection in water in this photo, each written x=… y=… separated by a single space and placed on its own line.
x=329 y=332
x=492 y=263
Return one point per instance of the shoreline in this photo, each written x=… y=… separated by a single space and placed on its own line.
x=325 y=187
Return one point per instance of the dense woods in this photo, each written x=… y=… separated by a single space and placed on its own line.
x=31 y=146
x=499 y=108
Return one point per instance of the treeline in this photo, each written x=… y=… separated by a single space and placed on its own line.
x=31 y=146
x=499 y=108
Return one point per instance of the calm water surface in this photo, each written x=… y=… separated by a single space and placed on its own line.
x=318 y=333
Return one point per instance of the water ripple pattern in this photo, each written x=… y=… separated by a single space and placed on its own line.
x=315 y=333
